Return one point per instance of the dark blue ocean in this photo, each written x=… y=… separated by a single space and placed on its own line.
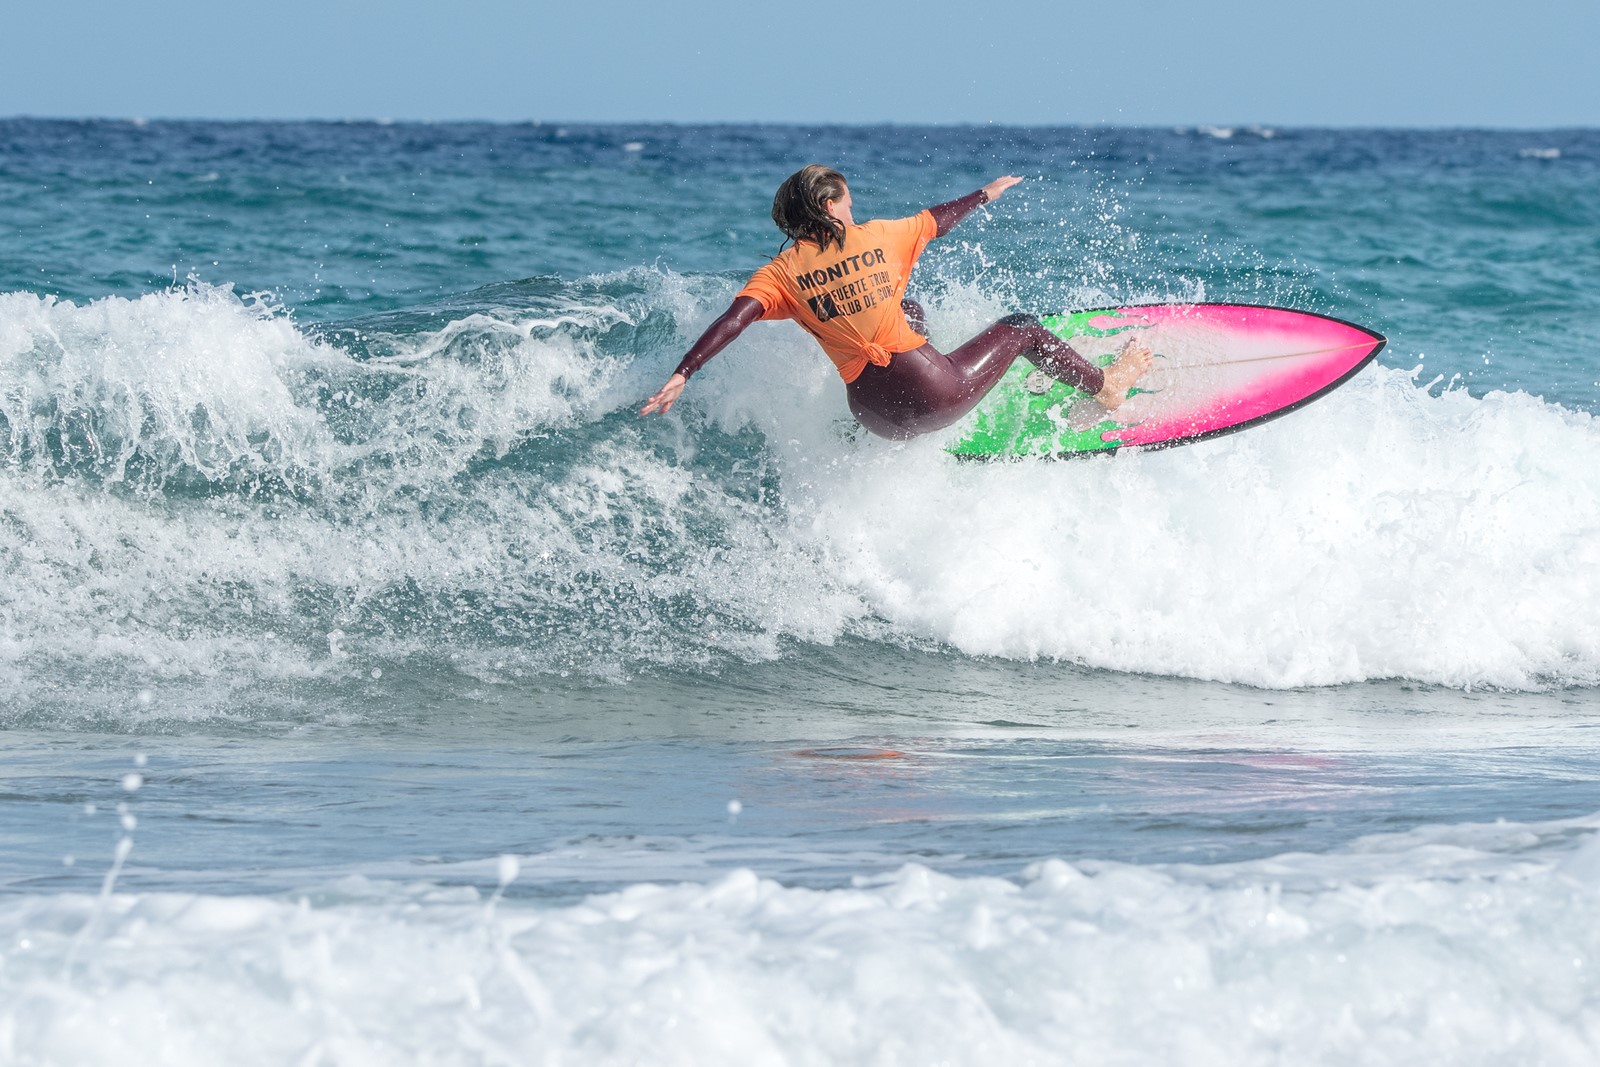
x=377 y=687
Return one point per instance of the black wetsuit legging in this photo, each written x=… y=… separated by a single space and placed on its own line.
x=925 y=389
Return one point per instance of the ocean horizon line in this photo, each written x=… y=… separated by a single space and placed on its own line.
x=1190 y=126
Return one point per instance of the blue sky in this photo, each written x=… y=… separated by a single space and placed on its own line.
x=1356 y=63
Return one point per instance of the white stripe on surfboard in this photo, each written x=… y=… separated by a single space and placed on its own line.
x=1262 y=359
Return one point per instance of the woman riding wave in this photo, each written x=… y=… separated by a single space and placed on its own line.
x=845 y=284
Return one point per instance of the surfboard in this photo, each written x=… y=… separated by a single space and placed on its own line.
x=1218 y=368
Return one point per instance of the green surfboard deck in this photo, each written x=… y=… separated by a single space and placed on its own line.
x=1011 y=421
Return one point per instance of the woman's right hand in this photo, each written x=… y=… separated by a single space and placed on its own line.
x=666 y=396
x=1000 y=185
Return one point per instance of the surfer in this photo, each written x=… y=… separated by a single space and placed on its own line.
x=845 y=284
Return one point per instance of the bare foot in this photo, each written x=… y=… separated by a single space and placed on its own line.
x=1132 y=363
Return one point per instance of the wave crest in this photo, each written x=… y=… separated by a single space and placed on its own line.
x=196 y=488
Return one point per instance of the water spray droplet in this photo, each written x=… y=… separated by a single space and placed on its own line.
x=132 y=781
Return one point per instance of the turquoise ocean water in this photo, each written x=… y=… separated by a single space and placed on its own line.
x=376 y=687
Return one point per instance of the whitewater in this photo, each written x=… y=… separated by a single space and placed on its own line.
x=378 y=687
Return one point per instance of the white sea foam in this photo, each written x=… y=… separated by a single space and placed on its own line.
x=1450 y=945
x=1384 y=531
x=200 y=382
x=196 y=380
x=346 y=500
x=197 y=490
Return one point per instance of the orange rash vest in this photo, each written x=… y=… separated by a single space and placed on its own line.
x=849 y=298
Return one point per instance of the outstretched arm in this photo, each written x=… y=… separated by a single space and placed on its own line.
x=730 y=324
x=953 y=211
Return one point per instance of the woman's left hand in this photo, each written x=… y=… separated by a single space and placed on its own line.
x=1000 y=185
x=666 y=396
